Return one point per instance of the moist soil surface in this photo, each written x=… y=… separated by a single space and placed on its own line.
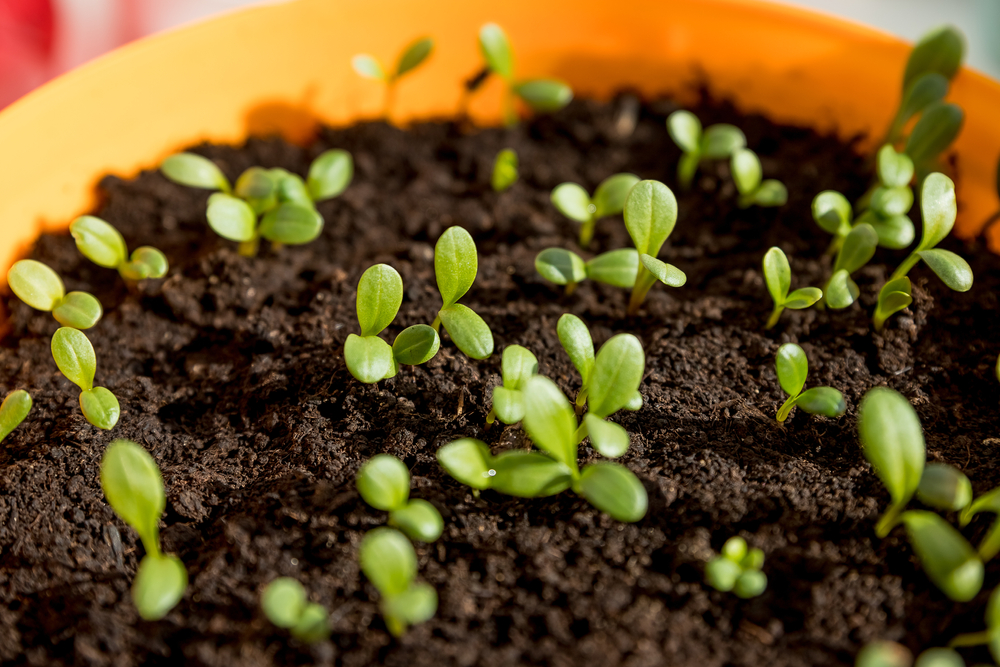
x=230 y=372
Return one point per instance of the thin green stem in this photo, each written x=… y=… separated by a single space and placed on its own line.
x=491 y=417
x=644 y=280
x=249 y=248
x=587 y=232
x=436 y=324
x=785 y=408
x=775 y=314
x=390 y=99
x=581 y=399
x=972 y=639
x=889 y=519
x=905 y=267
x=509 y=112
x=581 y=432
x=570 y=288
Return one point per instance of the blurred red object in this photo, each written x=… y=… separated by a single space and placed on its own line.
x=27 y=41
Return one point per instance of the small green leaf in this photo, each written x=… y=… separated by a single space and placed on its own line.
x=922 y=93
x=944 y=487
x=292 y=190
x=940 y=51
x=416 y=345
x=313 y=625
x=892 y=441
x=330 y=174
x=100 y=407
x=735 y=549
x=771 y=193
x=455 y=264
x=803 y=298
x=74 y=355
x=380 y=293
x=469 y=461
x=132 y=484
x=721 y=141
x=953 y=271
x=635 y=403
x=560 y=266
x=750 y=584
x=529 y=475
x=617 y=373
x=608 y=438
x=79 y=310
x=419 y=520
x=892 y=298
x=895 y=170
x=611 y=194
x=368 y=67
x=283 y=601
x=291 y=224
x=573 y=202
x=792 y=367
x=36 y=284
x=722 y=573
x=746 y=170
x=546 y=95
x=939 y=656
x=159 y=585
x=368 y=358
x=841 y=291
x=890 y=202
x=508 y=405
x=937 y=128
x=258 y=188
x=98 y=241
x=549 y=420
x=884 y=654
x=894 y=233
x=825 y=401
x=950 y=562
x=650 y=216
x=495 y=47
x=613 y=489
x=413 y=55
x=685 y=129
x=832 y=212
x=668 y=274
x=517 y=365
x=13 y=411
x=416 y=604
x=384 y=482
x=471 y=334
x=575 y=339
x=231 y=218
x=388 y=560
x=859 y=247
x=194 y=171
x=504 y=170
x=146 y=262
x=617 y=268
x=777 y=275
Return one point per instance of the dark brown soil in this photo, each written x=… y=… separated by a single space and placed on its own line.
x=230 y=372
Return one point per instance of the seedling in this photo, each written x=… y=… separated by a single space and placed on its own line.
x=988 y=502
x=618 y=268
x=368 y=357
x=284 y=203
x=390 y=563
x=938 y=209
x=944 y=487
x=13 y=411
x=947 y=558
x=384 y=483
x=74 y=355
x=41 y=288
x=103 y=245
x=609 y=199
x=717 y=142
x=134 y=488
x=991 y=635
x=517 y=365
x=544 y=95
x=778 y=277
x=889 y=201
x=884 y=654
x=504 y=170
x=939 y=126
x=455 y=266
x=792 y=367
x=286 y=604
x=412 y=57
x=737 y=569
x=576 y=340
x=650 y=215
x=747 y=174
x=859 y=247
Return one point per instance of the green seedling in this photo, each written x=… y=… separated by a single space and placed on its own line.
x=859 y=247
x=368 y=357
x=947 y=558
x=938 y=127
x=544 y=95
x=13 y=411
x=991 y=635
x=41 y=288
x=579 y=345
x=778 y=277
x=134 y=488
x=390 y=563
x=938 y=209
x=455 y=266
x=747 y=174
x=988 y=502
x=286 y=604
x=504 y=170
x=283 y=202
x=650 y=215
x=717 y=142
x=517 y=365
x=384 y=483
x=888 y=202
x=75 y=357
x=737 y=569
x=412 y=57
x=609 y=199
x=884 y=654
x=618 y=268
x=944 y=487
x=792 y=367
x=103 y=245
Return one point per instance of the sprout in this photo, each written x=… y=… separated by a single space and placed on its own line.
x=778 y=276
x=390 y=563
x=859 y=247
x=286 y=604
x=412 y=57
x=516 y=366
x=609 y=199
x=747 y=174
x=938 y=127
x=884 y=654
x=13 y=411
x=944 y=487
x=650 y=215
x=991 y=635
x=988 y=502
x=455 y=267
x=504 y=170
x=134 y=488
x=74 y=355
x=617 y=268
x=384 y=483
x=41 y=288
x=103 y=245
x=792 y=368
x=893 y=442
x=937 y=207
x=717 y=142
x=949 y=560
x=576 y=340
x=939 y=657
x=737 y=569
x=284 y=202
x=539 y=94
x=890 y=200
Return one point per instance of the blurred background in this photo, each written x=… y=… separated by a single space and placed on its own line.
x=40 y=39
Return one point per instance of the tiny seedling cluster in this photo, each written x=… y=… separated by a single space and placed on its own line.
x=737 y=569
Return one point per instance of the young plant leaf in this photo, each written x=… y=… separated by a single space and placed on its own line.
x=944 y=487
x=608 y=438
x=650 y=215
x=368 y=358
x=159 y=585
x=330 y=174
x=504 y=170
x=792 y=367
x=825 y=401
x=575 y=339
x=257 y=187
x=988 y=502
x=618 y=371
x=79 y=310
x=194 y=171
x=545 y=95
x=416 y=345
x=894 y=296
x=495 y=47
x=313 y=625
x=291 y=224
x=98 y=241
x=100 y=407
x=922 y=93
x=618 y=268
x=471 y=334
x=939 y=51
x=939 y=125
x=613 y=489
x=529 y=474
x=777 y=275
x=416 y=604
x=380 y=293
x=283 y=601
x=685 y=129
x=231 y=218
x=388 y=560
x=517 y=365
x=146 y=262
x=573 y=201
x=133 y=486
x=561 y=266
x=668 y=274
x=384 y=482
x=938 y=210
x=895 y=233
x=36 y=284
x=469 y=461
x=950 y=562
x=746 y=170
x=414 y=55
x=13 y=411
x=75 y=357
x=721 y=141
x=612 y=193
x=368 y=67
x=895 y=170
x=859 y=247
x=550 y=421
x=455 y=264
x=953 y=271
x=419 y=520
x=884 y=654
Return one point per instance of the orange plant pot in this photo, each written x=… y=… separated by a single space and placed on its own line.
x=285 y=68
